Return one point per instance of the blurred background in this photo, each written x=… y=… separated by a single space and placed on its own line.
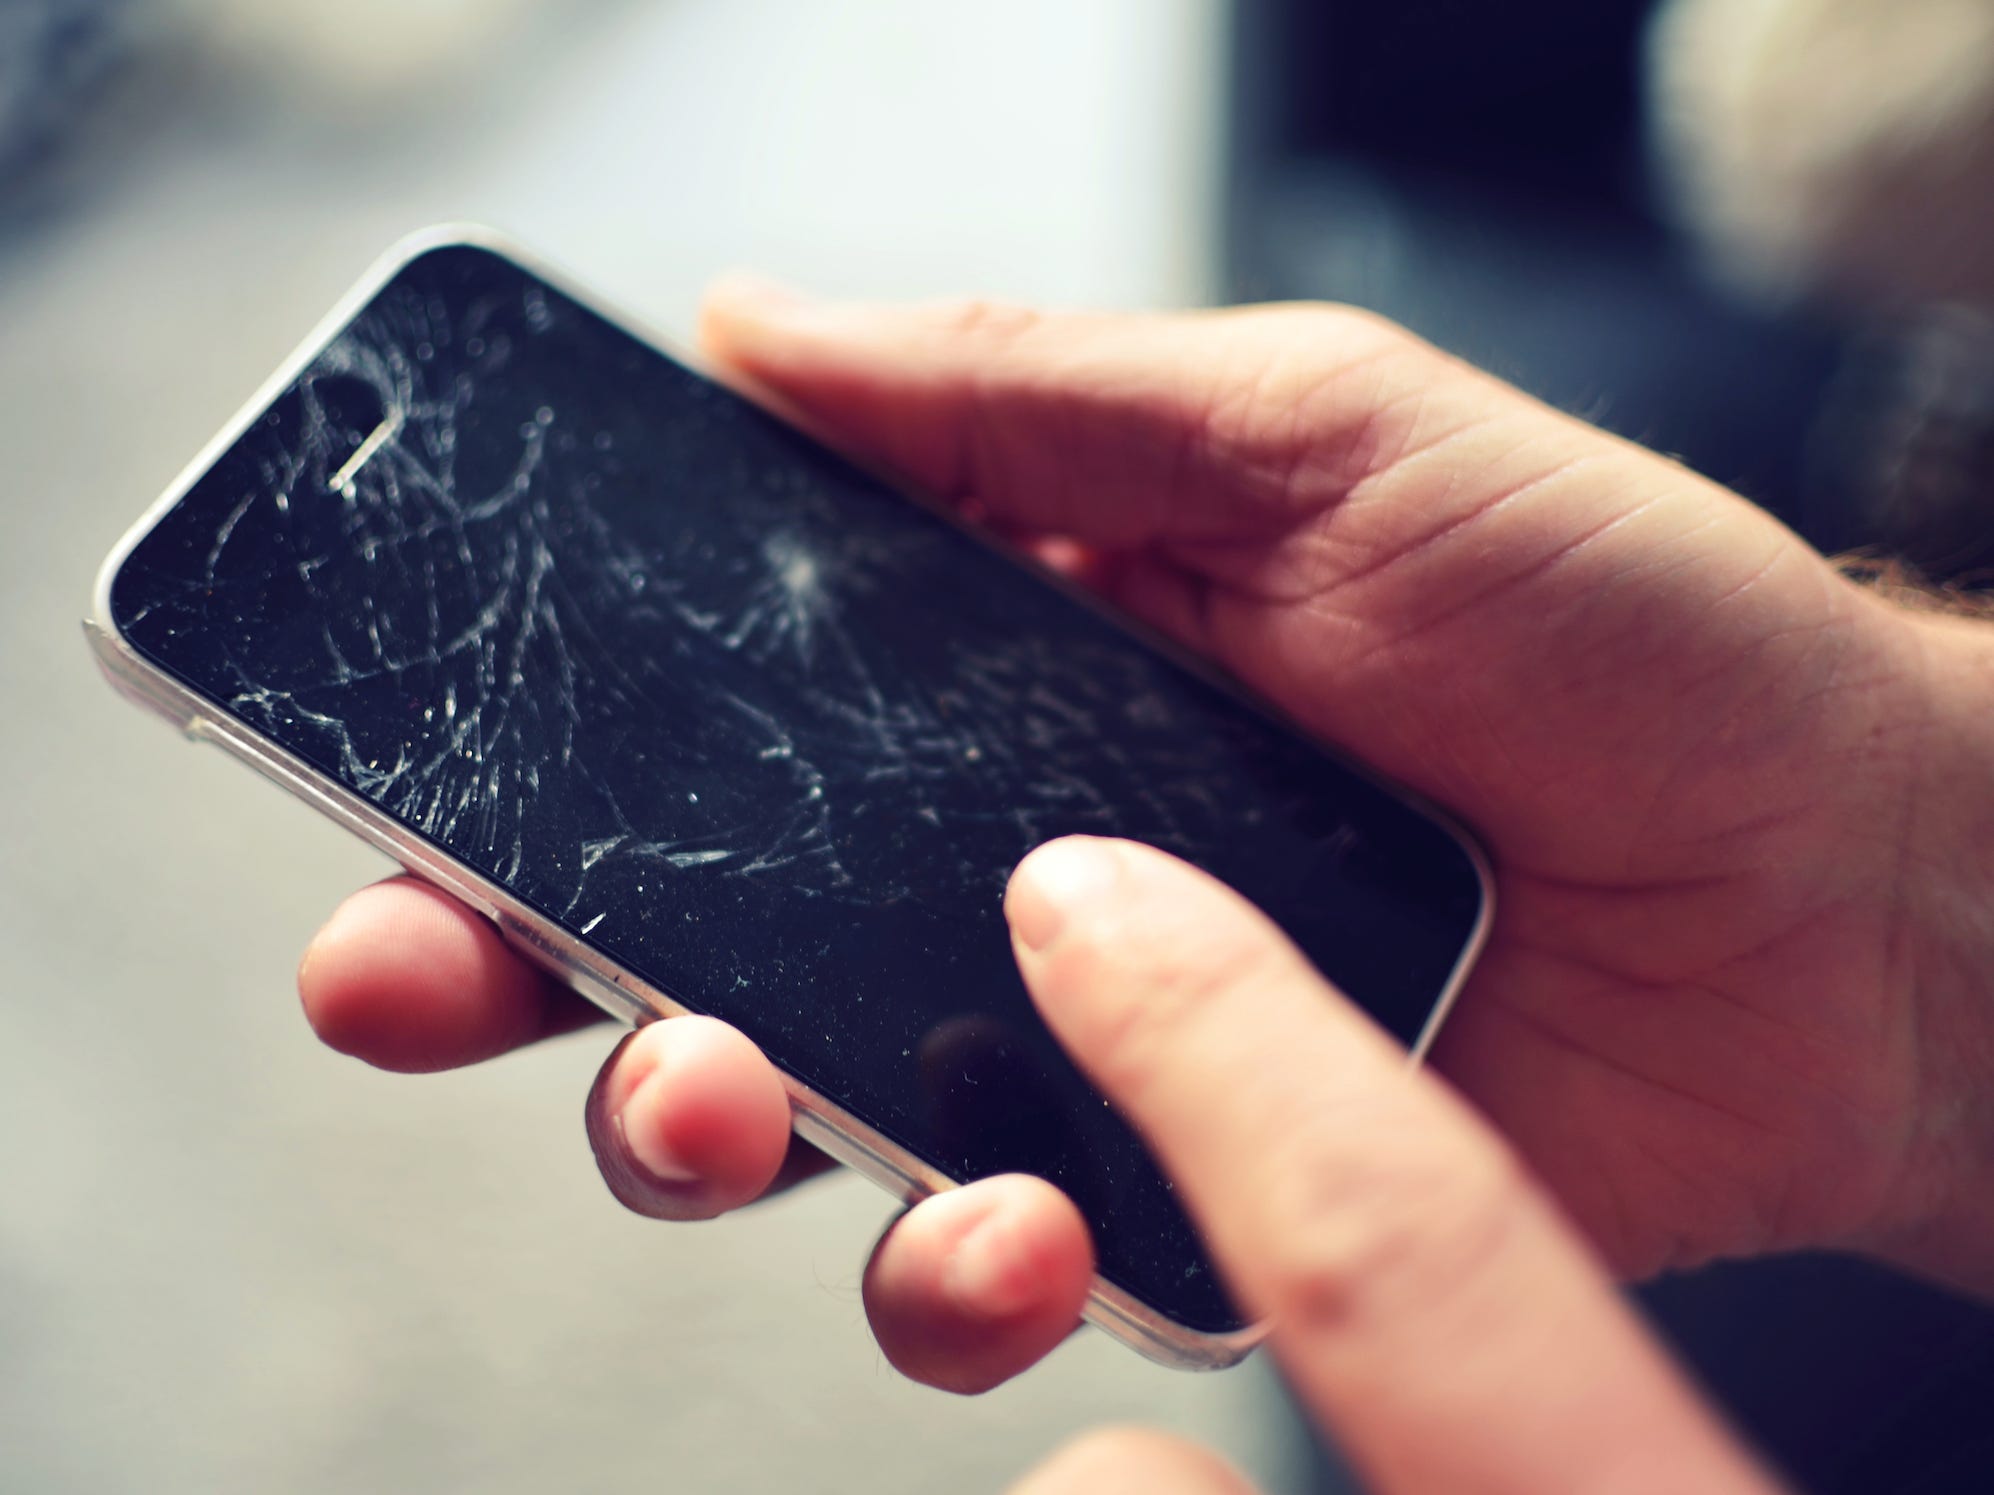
x=1756 y=233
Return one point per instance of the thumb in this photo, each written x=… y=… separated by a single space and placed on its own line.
x=1424 y=1297
x=1119 y=429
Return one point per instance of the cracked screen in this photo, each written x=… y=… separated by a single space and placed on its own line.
x=765 y=733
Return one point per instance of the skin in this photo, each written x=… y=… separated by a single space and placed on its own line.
x=1732 y=1002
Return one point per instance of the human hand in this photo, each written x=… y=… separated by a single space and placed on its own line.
x=1731 y=1003
x=1425 y=1299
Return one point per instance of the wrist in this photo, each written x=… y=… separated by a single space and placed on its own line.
x=1940 y=1219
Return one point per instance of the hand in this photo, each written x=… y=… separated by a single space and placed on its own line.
x=1732 y=1002
x=1426 y=1300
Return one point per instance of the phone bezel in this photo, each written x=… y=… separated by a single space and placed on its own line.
x=573 y=961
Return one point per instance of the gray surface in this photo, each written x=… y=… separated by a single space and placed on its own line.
x=228 y=1259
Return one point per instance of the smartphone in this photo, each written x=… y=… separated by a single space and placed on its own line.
x=709 y=719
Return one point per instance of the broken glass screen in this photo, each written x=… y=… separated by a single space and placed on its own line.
x=766 y=733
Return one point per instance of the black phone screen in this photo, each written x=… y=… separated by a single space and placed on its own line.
x=767 y=733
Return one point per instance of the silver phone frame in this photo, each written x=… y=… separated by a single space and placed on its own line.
x=573 y=961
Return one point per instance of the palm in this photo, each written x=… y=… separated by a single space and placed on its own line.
x=1681 y=1017
x=1682 y=736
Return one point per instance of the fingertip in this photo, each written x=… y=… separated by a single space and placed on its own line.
x=1024 y=1247
x=404 y=977
x=1110 y=1460
x=688 y=1120
x=1058 y=881
x=977 y=1284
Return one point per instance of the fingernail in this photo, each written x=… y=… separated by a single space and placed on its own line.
x=989 y=1273
x=1053 y=882
x=642 y=1143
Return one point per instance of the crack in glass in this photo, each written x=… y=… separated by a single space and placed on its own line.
x=767 y=734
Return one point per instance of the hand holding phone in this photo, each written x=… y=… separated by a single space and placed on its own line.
x=709 y=720
x=1428 y=1303
x=1599 y=659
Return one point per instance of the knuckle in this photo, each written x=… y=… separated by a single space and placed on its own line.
x=1323 y=335
x=989 y=322
x=1312 y=399
x=1337 y=322
x=1366 y=1228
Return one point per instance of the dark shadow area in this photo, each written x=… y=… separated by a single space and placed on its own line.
x=1478 y=173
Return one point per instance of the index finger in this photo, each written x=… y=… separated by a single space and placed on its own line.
x=407 y=978
x=1120 y=429
x=1424 y=1297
